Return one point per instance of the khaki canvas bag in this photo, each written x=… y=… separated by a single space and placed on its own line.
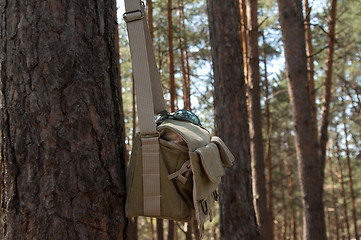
x=175 y=166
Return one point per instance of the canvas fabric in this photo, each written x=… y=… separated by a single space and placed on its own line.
x=191 y=166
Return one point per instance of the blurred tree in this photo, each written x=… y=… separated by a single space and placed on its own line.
x=293 y=36
x=236 y=203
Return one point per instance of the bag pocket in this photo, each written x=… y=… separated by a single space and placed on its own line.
x=211 y=162
x=226 y=155
x=176 y=198
x=207 y=171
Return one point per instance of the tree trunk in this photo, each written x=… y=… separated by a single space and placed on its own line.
x=349 y=168
x=237 y=215
x=151 y=229
x=334 y=202
x=62 y=146
x=255 y=124
x=291 y=200
x=293 y=36
x=284 y=205
x=184 y=57
x=172 y=91
x=160 y=232
x=171 y=231
x=342 y=184
x=327 y=88
x=189 y=231
x=195 y=229
x=311 y=68
x=268 y=145
x=132 y=229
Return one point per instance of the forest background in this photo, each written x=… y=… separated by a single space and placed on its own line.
x=192 y=60
x=283 y=77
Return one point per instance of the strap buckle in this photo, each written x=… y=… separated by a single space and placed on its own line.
x=133 y=16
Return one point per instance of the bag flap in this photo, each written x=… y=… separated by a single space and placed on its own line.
x=211 y=161
x=193 y=135
x=226 y=155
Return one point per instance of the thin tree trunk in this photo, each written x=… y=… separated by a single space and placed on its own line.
x=284 y=206
x=151 y=229
x=171 y=230
x=184 y=57
x=349 y=168
x=291 y=200
x=328 y=222
x=172 y=91
x=62 y=151
x=189 y=231
x=195 y=229
x=237 y=215
x=334 y=202
x=132 y=231
x=160 y=232
x=327 y=88
x=255 y=124
x=311 y=71
x=343 y=194
x=119 y=77
x=268 y=147
x=293 y=36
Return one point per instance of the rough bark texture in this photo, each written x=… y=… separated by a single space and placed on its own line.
x=255 y=124
x=293 y=36
x=237 y=215
x=61 y=150
x=310 y=68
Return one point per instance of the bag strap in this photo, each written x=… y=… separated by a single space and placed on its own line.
x=150 y=100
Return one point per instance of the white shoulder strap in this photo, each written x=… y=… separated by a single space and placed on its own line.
x=150 y=100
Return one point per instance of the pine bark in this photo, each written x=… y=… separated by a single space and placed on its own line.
x=255 y=124
x=62 y=149
x=349 y=168
x=327 y=88
x=184 y=55
x=268 y=142
x=342 y=184
x=310 y=68
x=172 y=91
x=237 y=215
x=293 y=36
x=334 y=202
x=291 y=202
